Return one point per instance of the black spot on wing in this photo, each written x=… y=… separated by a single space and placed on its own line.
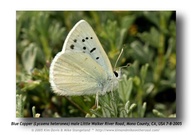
x=83 y=40
x=72 y=46
x=75 y=40
x=92 y=50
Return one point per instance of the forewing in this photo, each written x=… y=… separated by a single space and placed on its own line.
x=82 y=38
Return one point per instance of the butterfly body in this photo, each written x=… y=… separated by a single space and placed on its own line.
x=82 y=67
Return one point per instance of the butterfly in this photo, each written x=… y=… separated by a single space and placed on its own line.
x=82 y=67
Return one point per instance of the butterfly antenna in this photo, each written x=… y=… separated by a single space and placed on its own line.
x=128 y=64
x=118 y=58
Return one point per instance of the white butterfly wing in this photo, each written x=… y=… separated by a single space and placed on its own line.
x=82 y=38
x=82 y=67
x=77 y=74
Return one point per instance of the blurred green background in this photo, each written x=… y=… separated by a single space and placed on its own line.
x=148 y=86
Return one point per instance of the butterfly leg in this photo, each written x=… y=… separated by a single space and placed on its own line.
x=112 y=91
x=97 y=99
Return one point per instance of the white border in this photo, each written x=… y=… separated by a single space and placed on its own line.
x=7 y=68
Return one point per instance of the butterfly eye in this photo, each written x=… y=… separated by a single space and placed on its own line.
x=116 y=74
